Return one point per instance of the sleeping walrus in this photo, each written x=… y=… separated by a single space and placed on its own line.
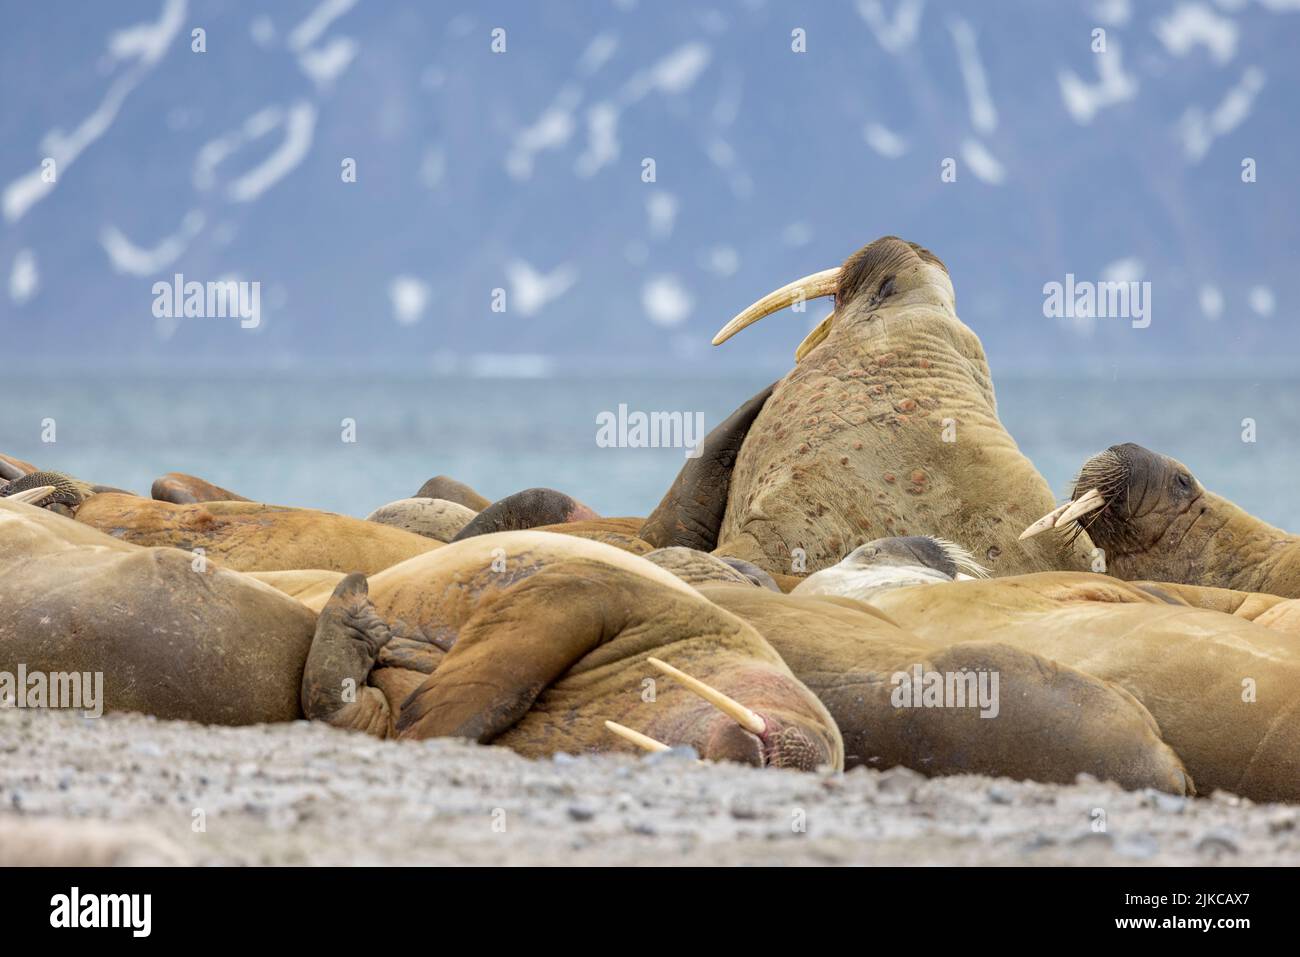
x=1011 y=713
x=251 y=536
x=1036 y=720
x=534 y=640
x=528 y=640
x=1222 y=688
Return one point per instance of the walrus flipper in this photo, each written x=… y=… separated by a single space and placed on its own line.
x=692 y=510
x=506 y=655
x=349 y=635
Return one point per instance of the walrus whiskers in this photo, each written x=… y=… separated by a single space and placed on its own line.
x=1102 y=476
x=636 y=737
x=727 y=705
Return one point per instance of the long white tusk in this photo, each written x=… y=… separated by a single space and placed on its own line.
x=636 y=737
x=729 y=706
x=815 y=286
x=814 y=338
x=31 y=494
x=1046 y=522
x=1089 y=502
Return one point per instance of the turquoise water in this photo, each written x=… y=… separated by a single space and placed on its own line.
x=278 y=438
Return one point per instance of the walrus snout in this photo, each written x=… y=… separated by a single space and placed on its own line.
x=64 y=496
x=731 y=742
x=780 y=745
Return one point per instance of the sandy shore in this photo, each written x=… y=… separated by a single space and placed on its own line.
x=131 y=789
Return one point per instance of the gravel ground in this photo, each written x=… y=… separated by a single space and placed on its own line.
x=131 y=789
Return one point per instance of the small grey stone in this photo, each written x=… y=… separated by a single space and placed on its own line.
x=1217 y=843
x=1093 y=839
x=1164 y=801
x=1138 y=846
x=900 y=780
x=580 y=812
x=742 y=810
x=1000 y=795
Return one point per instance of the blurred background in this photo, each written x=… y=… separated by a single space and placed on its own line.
x=624 y=176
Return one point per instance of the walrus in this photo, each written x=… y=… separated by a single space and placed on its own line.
x=181 y=489
x=531 y=508
x=695 y=567
x=434 y=518
x=534 y=640
x=890 y=562
x=171 y=639
x=536 y=657
x=64 y=493
x=450 y=490
x=1155 y=521
x=886 y=426
x=622 y=532
x=1042 y=721
x=250 y=536
x=1221 y=688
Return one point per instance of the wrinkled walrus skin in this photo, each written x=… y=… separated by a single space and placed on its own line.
x=434 y=518
x=531 y=640
x=888 y=427
x=1223 y=689
x=621 y=532
x=250 y=536
x=1051 y=724
x=172 y=641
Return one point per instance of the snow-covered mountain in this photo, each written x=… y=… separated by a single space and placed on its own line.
x=540 y=186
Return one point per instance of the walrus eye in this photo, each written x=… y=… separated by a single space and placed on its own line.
x=1184 y=482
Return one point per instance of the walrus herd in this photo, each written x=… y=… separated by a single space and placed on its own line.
x=853 y=571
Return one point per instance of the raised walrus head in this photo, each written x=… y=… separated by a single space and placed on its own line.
x=1154 y=521
x=886 y=426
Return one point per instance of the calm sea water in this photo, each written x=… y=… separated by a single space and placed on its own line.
x=278 y=438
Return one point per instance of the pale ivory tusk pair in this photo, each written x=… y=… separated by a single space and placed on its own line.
x=31 y=495
x=729 y=706
x=1063 y=515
